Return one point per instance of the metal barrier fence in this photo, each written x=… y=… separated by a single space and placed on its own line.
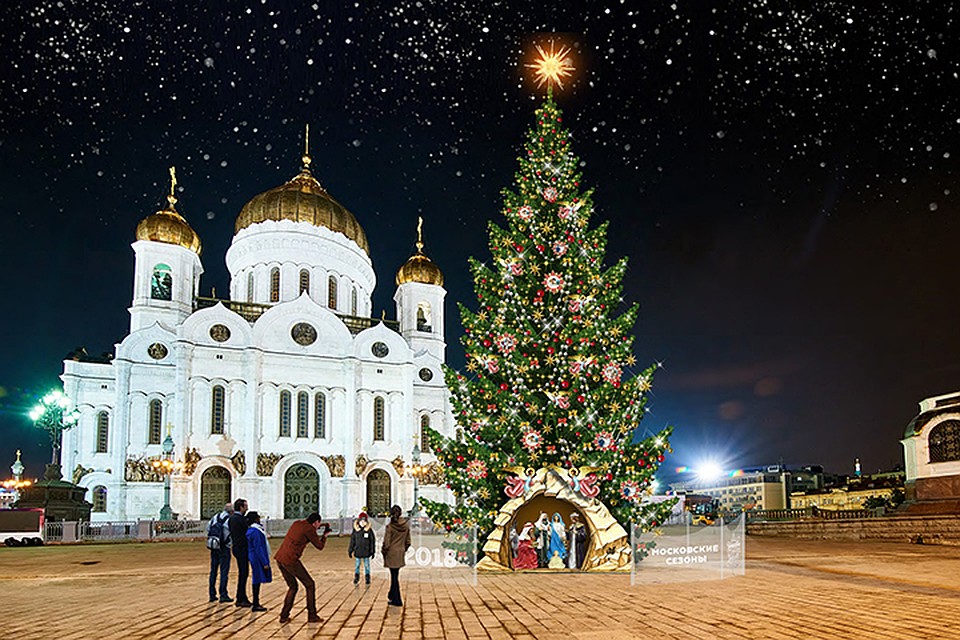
x=103 y=531
x=812 y=513
x=175 y=529
x=53 y=531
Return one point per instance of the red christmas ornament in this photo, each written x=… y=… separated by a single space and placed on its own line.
x=565 y=384
x=503 y=386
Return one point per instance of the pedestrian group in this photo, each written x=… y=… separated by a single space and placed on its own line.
x=237 y=532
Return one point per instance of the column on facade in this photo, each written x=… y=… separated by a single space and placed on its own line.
x=120 y=433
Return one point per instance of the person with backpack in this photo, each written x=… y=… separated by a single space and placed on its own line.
x=218 y=542
x=362 y=545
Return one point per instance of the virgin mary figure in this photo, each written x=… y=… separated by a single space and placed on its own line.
x=558 y=532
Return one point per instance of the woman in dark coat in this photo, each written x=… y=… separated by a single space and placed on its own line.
x=396 y=541
x=258 y=550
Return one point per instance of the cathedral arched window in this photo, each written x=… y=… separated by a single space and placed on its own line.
x=155 y=422
x=332 y=292
x=320 y=416
x=99 y=499
x=304 y=281
x=250 y=287
x=944 y=441
x=303 y=414
x=161 y=283
x=424 y=434
x=284 y=414
x=216 y=410
x=378 y=411
x=353 y=302
x=275 y=284
x=103 y=431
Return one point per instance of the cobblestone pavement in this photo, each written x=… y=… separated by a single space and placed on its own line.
x=792 y=589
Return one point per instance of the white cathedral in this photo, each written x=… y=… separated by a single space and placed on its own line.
x=288 y=394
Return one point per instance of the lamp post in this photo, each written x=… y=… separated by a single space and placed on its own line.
x=55 y=414
x=416 y=470
x=164 y=466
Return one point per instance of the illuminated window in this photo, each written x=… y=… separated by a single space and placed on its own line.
x=332 y=292
x=304 y=281
x=155 y=422
x=353 y=302
x=275 y=284
x=284 y=414
x=303 y=414
x=216 y=410
x=250 y=287
x=161 y=283
x=320 y=416
x=378 y=418
x=103 y=431
x=944 y=441
x=423 y=318
x=100 y=499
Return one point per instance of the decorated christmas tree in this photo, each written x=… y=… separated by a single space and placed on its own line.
x=549 y=355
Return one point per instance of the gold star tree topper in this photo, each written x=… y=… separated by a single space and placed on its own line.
x=552 y=66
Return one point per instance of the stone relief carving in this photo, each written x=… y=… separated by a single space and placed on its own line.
x=191 y=457
x=79 y=472
x=432 y=474
x=362 y=463
x=266 y=463
x=239 y=462
x=141 y=470
x=398 y=464
x=337 y=465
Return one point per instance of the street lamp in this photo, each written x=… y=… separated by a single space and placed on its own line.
x=164 y=466
x=417 y=471
x=55 y=414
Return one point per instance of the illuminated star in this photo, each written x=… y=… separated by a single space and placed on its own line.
x=552 y=66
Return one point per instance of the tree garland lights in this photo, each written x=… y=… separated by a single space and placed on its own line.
x=545 y=353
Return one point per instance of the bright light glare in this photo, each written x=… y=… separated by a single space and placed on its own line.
x=709 y=471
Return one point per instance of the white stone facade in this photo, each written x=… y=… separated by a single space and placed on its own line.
x=249 y=399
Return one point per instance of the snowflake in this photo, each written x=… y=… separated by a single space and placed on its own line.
x=550 y=194
x=611 y=373
x=525 y=212
x=506 y=343
x=532 y=440
x=476 y=469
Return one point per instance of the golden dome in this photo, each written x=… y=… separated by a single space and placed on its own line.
x=169 y=226
x=303 y=200
x=420 y=268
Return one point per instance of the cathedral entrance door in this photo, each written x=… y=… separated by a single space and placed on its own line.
x=301 y=492
x=378 y=493
x=214 y=491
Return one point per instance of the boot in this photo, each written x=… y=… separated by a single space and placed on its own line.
x=356 y=578
x=368 y=578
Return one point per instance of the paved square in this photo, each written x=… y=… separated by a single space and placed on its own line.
x=792 y=589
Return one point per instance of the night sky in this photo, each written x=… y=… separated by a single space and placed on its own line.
x=781 y=175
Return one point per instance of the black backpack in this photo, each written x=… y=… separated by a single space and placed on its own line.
x=216 y=533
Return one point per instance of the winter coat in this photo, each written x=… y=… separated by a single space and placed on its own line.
x=396 y=541
x=238 y=532
x=363 y=541
x=258 y=551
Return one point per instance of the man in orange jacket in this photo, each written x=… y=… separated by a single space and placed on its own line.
x=288 y=559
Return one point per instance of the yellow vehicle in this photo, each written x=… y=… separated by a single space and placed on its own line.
x=703 y=509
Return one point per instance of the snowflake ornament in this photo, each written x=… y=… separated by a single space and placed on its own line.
x=630 y=490
x=604 y=441
x=611 y=373
x=559 y=248
x=553 y=282
x=525 y=212
x=506 y=344
x=532 y=440
x=476 y=469
x=550 y=194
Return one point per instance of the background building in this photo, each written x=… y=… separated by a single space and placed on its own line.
x=931 y=450
x=289 y=394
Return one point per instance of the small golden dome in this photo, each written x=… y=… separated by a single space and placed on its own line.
x=420 y=268
x=169 y=226
x=303 y=200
